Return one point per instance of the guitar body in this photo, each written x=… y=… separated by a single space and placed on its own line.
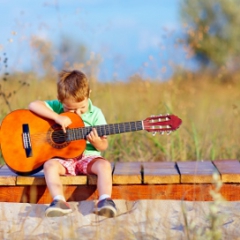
x=28 y=141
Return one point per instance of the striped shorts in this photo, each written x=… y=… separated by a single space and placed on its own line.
x=79 y=165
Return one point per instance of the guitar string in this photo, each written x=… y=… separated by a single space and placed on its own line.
x=80 y=133
x=111 y=129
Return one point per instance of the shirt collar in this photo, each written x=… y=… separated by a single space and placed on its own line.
x=90 y=106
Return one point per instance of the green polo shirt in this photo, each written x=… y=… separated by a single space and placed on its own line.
x=92 y=117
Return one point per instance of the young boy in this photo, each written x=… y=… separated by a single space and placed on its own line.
x=73 y=96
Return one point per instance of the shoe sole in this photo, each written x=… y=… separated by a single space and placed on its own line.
x=109 y=212
x=57 y=212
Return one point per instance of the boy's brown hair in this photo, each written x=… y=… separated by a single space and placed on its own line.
x=72 y=85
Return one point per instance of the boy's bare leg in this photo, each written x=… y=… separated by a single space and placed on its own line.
x=102 y=168
x=105 y=207
x=52 y=171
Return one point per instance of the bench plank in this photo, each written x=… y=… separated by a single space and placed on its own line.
x=127 y=173
x=196 y=171
x=38 y=179
x=7 y=177
x=229 y=170
x=160 y=173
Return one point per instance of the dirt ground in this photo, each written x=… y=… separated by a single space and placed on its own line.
x=144 y=219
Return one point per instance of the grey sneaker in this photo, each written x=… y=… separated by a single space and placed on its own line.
x=106 y=207
x=58 y=208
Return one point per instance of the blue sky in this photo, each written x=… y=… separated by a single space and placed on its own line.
x=131 y=37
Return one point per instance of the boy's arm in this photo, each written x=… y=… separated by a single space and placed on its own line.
x=40 y=108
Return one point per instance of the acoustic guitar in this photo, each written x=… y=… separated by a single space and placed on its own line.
x=28 y=140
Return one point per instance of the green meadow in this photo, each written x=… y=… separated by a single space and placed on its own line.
x=208 y=105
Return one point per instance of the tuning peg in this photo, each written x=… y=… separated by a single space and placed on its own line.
x=169 y=132
x=152 y=116
x=154 y=133
x=162 y=132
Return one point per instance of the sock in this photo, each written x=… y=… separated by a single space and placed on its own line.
x=59 y=197
x=104 y=196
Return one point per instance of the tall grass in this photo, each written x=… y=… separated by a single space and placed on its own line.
x=209 y=111
x=215 y=217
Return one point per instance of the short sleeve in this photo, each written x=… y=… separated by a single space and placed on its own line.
x=55 y=105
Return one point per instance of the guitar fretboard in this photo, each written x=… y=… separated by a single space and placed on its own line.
x=107 y=129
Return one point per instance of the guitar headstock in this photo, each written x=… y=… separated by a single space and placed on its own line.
x=162 y=123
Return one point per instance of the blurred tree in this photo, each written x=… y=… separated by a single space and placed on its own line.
x=43 y=55
x=213 y=31
x=72 y=54
x=67 y=54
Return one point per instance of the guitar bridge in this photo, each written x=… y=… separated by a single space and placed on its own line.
x=26 y=140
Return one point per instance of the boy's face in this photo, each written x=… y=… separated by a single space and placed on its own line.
x=70 y=105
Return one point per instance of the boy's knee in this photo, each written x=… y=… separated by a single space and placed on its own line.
x=49 y=164
x=102 y=165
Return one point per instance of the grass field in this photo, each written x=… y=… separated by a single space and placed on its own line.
x=210 y=112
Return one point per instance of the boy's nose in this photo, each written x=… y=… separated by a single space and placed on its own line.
x=78 y=111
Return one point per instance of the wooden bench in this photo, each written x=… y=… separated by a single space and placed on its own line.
x=191 y=180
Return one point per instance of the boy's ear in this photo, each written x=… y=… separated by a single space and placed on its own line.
x=90 y=92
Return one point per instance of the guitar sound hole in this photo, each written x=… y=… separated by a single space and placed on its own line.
x=56 y=137
x=59 y=137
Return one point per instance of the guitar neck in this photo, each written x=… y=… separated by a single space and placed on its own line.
x=104 y=130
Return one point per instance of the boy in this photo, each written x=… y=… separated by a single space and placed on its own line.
x=73 y=95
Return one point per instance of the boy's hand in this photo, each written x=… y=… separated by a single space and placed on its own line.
x=99 y=143
x=93 y=136
x=63 y=121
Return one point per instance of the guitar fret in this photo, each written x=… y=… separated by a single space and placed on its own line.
x=74 y=135
x=133 y=126
x=82 y=133
x=87 y=131
x=70 y=135
x=107 y=130
x=123 y=127
x=120 y=127
x=69 y=138
x=102 y=128
x=78 y=135
x=99 y=130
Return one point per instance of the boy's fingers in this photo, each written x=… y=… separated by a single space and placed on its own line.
x=64 y=129
x=95 y=131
